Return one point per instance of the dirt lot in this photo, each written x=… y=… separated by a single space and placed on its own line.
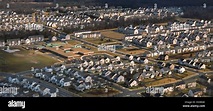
x=112 y=34
x=99 y=41
x=132 y=50
x=161 y=81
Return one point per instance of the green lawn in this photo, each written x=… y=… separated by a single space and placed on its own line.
x=23 y=60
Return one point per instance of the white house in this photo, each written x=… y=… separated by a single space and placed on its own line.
x=2 y=43
x=120 y=78
x=179 y=69
x=64 y=82
x=132 y=83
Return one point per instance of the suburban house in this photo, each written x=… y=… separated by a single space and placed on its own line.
x=46 y=76
x=180 y=85
x=14 y=42
x=195 y=92
x=168 y=88
x=179 y=69
x=170 y=66
x=14 y=80
x=132 y=83
x=163 y=57
x=139 y=77
x=79 y=86
x=191 y=84
x=48 y=69
x=165 y=71
x=118 y=78
x=130 y=38
x=143 y=60
x=192 y=63
x=203 y=79
x=65 y=82
x=38 y=73
x=88 y=34
x=77 y=34
x=161 y=64
x=117 y=58
x=2 y=43
x=34 y=39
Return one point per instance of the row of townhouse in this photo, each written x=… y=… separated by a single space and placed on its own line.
x=193 y=92
x=28 y=40
x=132 y=76
x=104 y=62
x=88 y=34
x=176 y=50
x=10 y=20
x=189 y=24
x=175 y=27
x=65 y=77
x=206 y=53
x=137 y=59
x=33 y=86
x=192 y=63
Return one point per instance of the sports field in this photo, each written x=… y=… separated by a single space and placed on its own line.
x=23 y=60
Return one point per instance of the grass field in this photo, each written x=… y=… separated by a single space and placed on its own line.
x=161 y=81
x=98 y=41
x=162 y=24
x=107 y=52
x=73 y=42
x=112 y=34
x=185 y=74
x=134 y=51
x=23 y=60
x=184 y=19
